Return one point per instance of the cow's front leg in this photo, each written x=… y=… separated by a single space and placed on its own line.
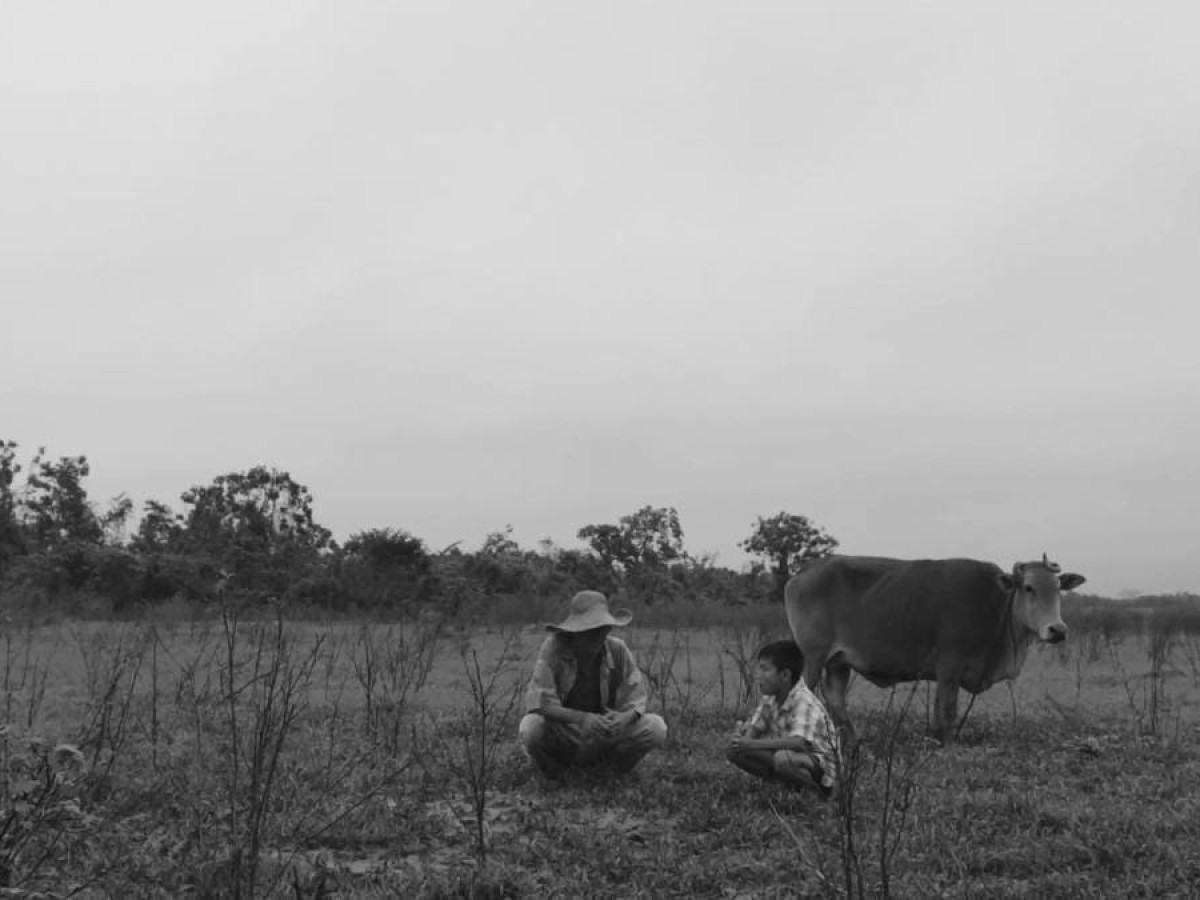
x=837 y=677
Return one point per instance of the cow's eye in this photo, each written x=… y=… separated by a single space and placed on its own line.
x=1029 y=588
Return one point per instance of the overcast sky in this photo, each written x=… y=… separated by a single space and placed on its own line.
x=925 y=272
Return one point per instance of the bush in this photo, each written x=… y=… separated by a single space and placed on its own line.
x=1172 y=613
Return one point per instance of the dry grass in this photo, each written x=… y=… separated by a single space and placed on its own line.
x=1077 y=782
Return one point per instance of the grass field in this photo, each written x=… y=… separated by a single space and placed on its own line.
x=237 y=758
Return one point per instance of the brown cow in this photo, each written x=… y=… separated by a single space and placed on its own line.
x=959 y=622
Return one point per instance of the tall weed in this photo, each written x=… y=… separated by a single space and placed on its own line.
x=25 y=674
x=1148 y=696
x=468 y=746
x=741 y=645
x=391 y=665
x=264 y=688
x=113 y=664
x=878 y=784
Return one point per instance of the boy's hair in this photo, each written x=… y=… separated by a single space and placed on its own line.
x=784 y=655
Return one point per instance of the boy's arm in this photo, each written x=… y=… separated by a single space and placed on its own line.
x=746 y=735
x=756 y=725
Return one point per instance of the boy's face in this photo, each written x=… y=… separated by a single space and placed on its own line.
x=772 y=680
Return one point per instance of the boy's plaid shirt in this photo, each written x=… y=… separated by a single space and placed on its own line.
x=801 y=715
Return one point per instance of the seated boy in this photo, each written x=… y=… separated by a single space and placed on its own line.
x=790 y=738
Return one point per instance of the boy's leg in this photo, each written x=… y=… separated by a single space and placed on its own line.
x=647 y=732
x=798 y=768
x=759 y=763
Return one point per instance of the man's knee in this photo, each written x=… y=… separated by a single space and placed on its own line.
x=653 y=730
x=542 y=744
x=532 y=731
x=647 y=733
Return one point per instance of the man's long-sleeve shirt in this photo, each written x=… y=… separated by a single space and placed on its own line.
x=556 y=672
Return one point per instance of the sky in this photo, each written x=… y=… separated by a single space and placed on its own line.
x=925 y=272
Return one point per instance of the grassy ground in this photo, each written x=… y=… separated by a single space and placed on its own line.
x=233 y=759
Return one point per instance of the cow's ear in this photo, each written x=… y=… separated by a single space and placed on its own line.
x=1070 y=580
x=1007 y=582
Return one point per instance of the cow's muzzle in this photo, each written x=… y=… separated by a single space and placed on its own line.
x=1055 y=634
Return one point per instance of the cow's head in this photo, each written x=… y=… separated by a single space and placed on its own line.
x=1037 y=597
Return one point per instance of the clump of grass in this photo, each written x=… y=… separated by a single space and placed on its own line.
x=41 y=819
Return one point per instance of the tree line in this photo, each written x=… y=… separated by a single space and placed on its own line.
x=252 y=535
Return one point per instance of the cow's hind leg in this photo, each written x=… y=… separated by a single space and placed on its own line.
x=945 y=710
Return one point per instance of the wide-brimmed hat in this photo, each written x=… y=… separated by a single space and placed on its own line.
x=589 y=609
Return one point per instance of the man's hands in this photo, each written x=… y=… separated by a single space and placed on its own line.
x=606 y=725
x=619 y=721
x=593 y=726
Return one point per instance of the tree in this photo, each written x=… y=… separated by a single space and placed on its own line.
x=500 y=544
x=648 y=538
x=256 y=524
x=383 y=566
x=638 y=551
x=159 y=531
x=11 y=539
x=655 y=535
x=113 y=524
x=786 y=542
x=56 y=506
x=500 y=566
x=387 y=549
x=608 y=543
x=50 y=531
x=261 y=509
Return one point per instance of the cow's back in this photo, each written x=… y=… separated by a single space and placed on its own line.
x=890 y=619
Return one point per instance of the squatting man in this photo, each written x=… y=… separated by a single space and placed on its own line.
x=586 y=703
